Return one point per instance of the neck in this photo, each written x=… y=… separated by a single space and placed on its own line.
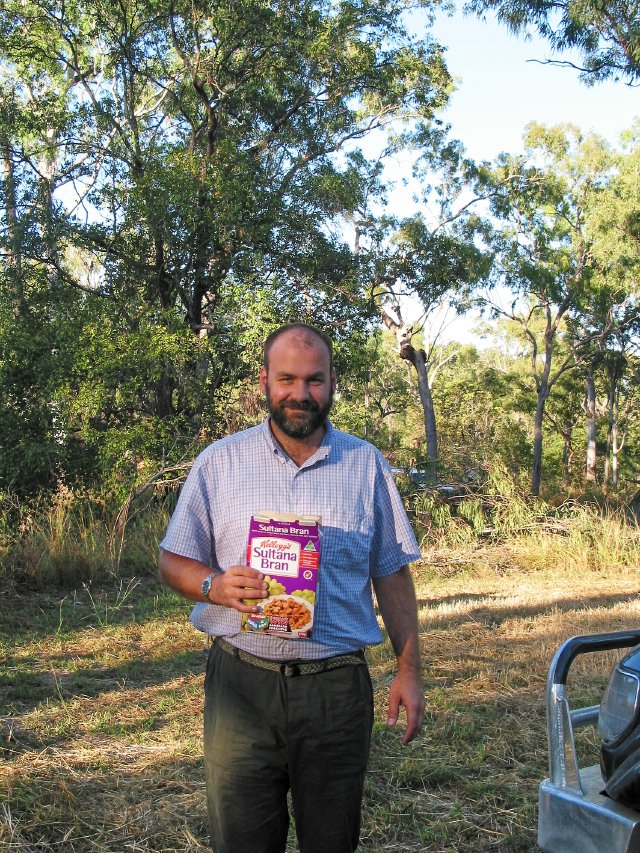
x=298 y=449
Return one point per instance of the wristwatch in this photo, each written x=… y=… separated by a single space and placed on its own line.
x=206 y=585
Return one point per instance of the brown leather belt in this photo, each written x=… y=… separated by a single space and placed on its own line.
x=291 y=668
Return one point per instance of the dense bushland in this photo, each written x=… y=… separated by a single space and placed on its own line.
x=73 y=539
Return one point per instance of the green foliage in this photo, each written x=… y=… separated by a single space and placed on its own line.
x=551 y=248
x=176 y=183
x=496 y=507
x=178 y=175
x=484 y=416
x=377 y=399
x=37 y=350
x=473 y=511
x=435 y=521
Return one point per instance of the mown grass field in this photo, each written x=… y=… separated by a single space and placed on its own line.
x=100 y=707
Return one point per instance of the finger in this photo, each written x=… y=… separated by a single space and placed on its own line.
x=393 y=710
x=244 y=572
x=415 y=716
x=243 y=607
x=412 y=729
x=238 y=582
x=245 y=591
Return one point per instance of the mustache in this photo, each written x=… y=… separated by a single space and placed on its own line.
x=300 y=405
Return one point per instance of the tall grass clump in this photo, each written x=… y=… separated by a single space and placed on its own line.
x=601 y=538
x=71 y=538
x=511 y=509
x=495 y=508
x=575 y=539
x=531 y=533
x=436 y=523
x=50 y=541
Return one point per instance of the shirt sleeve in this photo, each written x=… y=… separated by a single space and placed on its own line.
x=190 y=532
x=394 y=543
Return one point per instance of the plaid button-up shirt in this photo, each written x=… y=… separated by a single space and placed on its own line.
x=365 y=531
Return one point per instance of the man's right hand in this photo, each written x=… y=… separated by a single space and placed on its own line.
x=229 y=589
x=237 y=585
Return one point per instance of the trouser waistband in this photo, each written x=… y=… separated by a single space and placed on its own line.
x=295 y=667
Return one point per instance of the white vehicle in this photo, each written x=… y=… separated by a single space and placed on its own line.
x=594 y=809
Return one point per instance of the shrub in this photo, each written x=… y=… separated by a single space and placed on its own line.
x=71 y=539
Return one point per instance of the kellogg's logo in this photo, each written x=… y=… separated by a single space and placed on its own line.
x=280 y=544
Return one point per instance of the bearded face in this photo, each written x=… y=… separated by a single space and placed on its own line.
x=298 y=383
x=298 y=418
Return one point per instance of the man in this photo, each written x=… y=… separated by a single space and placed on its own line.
x=295 y=714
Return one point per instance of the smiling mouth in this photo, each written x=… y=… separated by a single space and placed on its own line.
x=301 y=410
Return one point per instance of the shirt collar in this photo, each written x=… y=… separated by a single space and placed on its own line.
x=321 y=453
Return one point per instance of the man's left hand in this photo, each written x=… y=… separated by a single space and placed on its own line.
x=406 y=689
x=397 y=603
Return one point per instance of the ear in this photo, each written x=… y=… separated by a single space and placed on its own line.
x=263 y=379
x=334 y=380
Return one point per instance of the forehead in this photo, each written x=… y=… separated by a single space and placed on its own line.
x=301 y=348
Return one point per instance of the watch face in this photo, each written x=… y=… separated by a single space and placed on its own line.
x=206 y=585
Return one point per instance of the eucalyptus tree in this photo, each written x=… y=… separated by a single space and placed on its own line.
x=378 y=403
x=565 y=414
x=566 y=251
x=484 y=411
x=614 y=306
x=432 y=260
x=183 y=168
x=544 y=253
x=621 y=401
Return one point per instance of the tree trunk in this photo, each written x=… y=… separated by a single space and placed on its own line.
x=606 y=475
x=614 y=374
x=536 y=468
x=367 y=406
x=543 y=387
x=590 y=410
x=567 y=456
x=614 y=445
x=418 y=359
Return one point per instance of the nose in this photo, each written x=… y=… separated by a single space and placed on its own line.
x=300 y=390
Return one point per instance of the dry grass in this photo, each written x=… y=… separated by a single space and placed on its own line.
x=100 y=710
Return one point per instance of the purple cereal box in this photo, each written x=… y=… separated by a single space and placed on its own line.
x=285 y=547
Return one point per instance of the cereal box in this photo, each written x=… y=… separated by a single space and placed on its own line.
x=285 y=547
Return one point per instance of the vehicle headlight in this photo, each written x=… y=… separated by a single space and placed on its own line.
x=619 y=707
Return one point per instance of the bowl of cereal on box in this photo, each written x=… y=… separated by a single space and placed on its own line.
x=297 y=610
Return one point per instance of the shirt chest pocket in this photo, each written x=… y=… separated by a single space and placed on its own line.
x=346 y=539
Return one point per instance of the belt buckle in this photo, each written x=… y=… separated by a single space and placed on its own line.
x=290 y=670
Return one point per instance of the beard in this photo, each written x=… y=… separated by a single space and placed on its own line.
x=298 y=426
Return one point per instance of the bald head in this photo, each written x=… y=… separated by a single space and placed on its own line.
x=303 y=335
